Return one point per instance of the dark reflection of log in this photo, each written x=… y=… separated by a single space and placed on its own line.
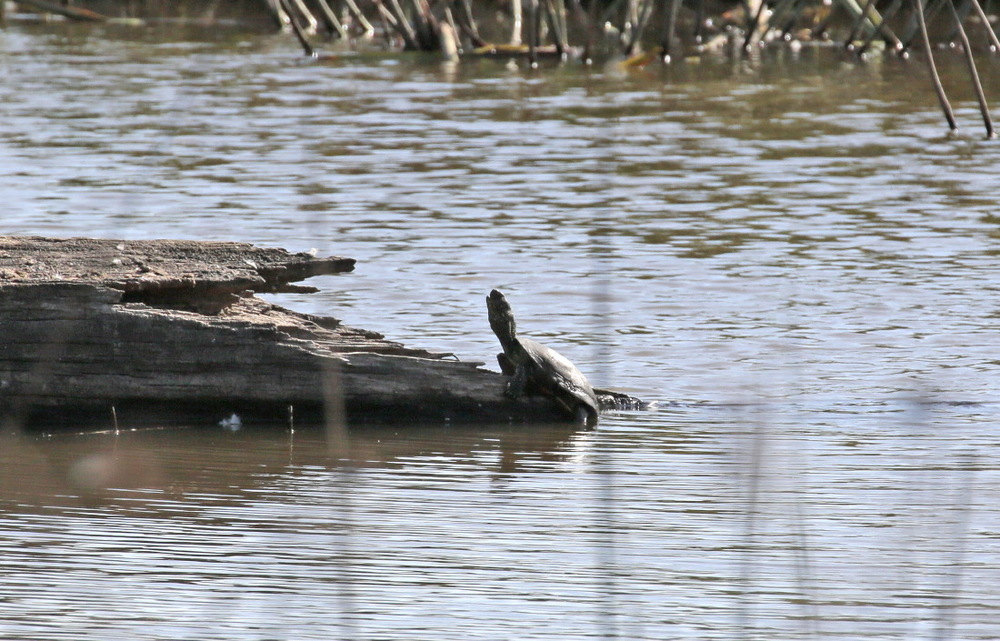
x=103 y=466
x=73 y=13
x=131 y=333
x=244 y=13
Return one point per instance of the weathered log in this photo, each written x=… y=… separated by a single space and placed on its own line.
x=160 y=332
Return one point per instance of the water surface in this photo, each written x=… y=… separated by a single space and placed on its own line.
x=789 y=254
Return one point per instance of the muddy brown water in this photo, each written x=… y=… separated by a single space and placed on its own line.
x=790 y=256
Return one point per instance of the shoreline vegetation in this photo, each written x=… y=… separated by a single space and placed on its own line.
x=639 y=32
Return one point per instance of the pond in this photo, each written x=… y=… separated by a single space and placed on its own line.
x=789 y=255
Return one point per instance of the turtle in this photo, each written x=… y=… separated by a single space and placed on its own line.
x=536 y=369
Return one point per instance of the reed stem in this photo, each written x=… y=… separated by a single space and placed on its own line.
x=994 y=42
x=935 y=78
x=330 y=18
x=970 y=62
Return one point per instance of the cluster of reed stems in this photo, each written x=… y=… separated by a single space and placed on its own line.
x=646 y=30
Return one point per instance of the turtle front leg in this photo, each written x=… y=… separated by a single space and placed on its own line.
x=506 y=365
x=515 y=386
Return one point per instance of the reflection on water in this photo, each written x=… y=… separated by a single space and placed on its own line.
x=792 y=249
x=93 y=465
x=671 y=524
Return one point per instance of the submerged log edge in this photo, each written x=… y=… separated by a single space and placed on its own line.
x=120 y=333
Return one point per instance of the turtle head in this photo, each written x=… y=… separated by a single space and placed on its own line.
x=501 y=318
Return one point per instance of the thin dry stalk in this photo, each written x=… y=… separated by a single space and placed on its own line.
x=342 y=458
x=889 y=13
x=355 y=12
x=753 y=24
x=517 y=22
x=913 y=29
x=563 y=14
x=403 y=26
x=970 y=62
x=591 y=31
x=786 y=13
x=630 y=25
x=300 y=34
x=856 y=25
x=278 y=12
x=994 y=42
x=338 y=440
x=330 y=18
x=669 y=26
x=534 y=33
x=304 y=13
x=699 y=20
x=425 y=26
x=948 y=603
x=466 y=22
x=935 y=78
x=754 y=477
x=559 y=11
x=556 y=24
x=388 y=22
x=638 y=26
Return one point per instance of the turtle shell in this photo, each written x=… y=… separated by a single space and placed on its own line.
x=555 y=375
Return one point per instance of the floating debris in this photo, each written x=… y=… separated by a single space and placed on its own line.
x=233 y=423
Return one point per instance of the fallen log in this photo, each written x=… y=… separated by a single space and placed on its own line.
x=136 y=333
